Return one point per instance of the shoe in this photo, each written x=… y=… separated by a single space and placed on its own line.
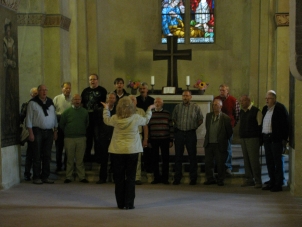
x=166 y=182
x=37 y=181
x=193 y=182
x=66 y=181
x=228 y=172
x=176 y=182
x=209 y=182
x=220 y=184
x=258 y=186
x=48 y=181
x=121 y=207
x=248 y=184
x=138 y=182
x=276 y=189
x=26 y=178
x=267 y=182
x=267 y=187
x=130 y=208
x=101 y=182
x=84 y=181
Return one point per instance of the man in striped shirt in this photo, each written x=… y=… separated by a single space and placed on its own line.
x=187 y=117
x=161 y=136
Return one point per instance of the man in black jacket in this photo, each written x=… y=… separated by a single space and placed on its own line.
x=275 y=130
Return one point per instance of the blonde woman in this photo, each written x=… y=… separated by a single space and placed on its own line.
x=124 y=148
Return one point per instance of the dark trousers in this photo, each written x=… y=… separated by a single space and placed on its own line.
x=213 y=156
x=163 y=145
x=59 y=149
x=274 y=162
x=147 y=159
x=91 y=138
x=124 y=170
x=28 y=159
x=104 y=144
x=188 y=139
x=42 y=151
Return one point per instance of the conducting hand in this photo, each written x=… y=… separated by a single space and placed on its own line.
x=105 y=105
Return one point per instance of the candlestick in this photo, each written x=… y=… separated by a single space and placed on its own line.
x=152 y=88
x=152 y=80
x=188 y=81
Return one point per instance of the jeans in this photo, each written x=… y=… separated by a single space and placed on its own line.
x=41 y=152
x=188 y=139
x=124 y=169
x=228 y=163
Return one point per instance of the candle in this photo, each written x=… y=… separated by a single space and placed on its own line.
x=152 y=80
x=188 y=80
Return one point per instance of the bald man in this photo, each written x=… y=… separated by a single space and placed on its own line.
x=74 y=122
x=161 y=136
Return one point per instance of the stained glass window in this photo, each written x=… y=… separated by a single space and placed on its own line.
x=175 y=18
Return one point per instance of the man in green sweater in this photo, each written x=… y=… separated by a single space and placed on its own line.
x=74 y=122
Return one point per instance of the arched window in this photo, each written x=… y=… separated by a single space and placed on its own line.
x=192 y=21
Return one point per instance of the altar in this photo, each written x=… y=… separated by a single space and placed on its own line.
x=204 y=101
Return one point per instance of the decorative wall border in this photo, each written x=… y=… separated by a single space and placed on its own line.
x=43 y=20
x=32 y=19
x=282 y=19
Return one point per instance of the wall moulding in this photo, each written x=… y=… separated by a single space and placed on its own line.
x=282 y=19
x=43 y=20
x=10 y=4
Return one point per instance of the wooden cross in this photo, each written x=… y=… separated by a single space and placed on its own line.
x=172 y=55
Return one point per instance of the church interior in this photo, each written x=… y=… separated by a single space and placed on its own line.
x=256 y=48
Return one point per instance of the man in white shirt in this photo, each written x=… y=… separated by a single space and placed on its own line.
x=61 y=103
x=275 y=131
x=41 y=122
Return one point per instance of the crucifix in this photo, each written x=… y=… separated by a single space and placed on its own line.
x=172 y=55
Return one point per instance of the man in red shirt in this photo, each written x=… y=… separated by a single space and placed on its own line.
x=231 y=108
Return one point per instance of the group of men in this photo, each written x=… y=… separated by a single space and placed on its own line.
x=76 y=123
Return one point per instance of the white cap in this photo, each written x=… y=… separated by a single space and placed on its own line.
x=271 y=92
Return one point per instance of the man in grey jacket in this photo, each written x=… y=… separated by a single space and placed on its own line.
x=218 y=132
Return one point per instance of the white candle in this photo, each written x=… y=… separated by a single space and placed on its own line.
x=188 y=80
x=152 y=80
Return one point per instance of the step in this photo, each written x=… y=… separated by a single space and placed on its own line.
x=92 y=169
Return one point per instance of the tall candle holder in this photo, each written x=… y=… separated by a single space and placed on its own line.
x=152 y=90
x=188 y=87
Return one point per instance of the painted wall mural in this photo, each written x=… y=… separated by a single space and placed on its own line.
x=9 y=80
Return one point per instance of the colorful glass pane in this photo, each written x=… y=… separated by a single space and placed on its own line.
x=202 y=21
x=173 y=24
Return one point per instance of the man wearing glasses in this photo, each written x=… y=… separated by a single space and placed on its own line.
x=275 y=131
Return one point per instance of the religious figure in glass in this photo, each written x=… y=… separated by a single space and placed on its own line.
x=202 y=21
x=172 y=19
